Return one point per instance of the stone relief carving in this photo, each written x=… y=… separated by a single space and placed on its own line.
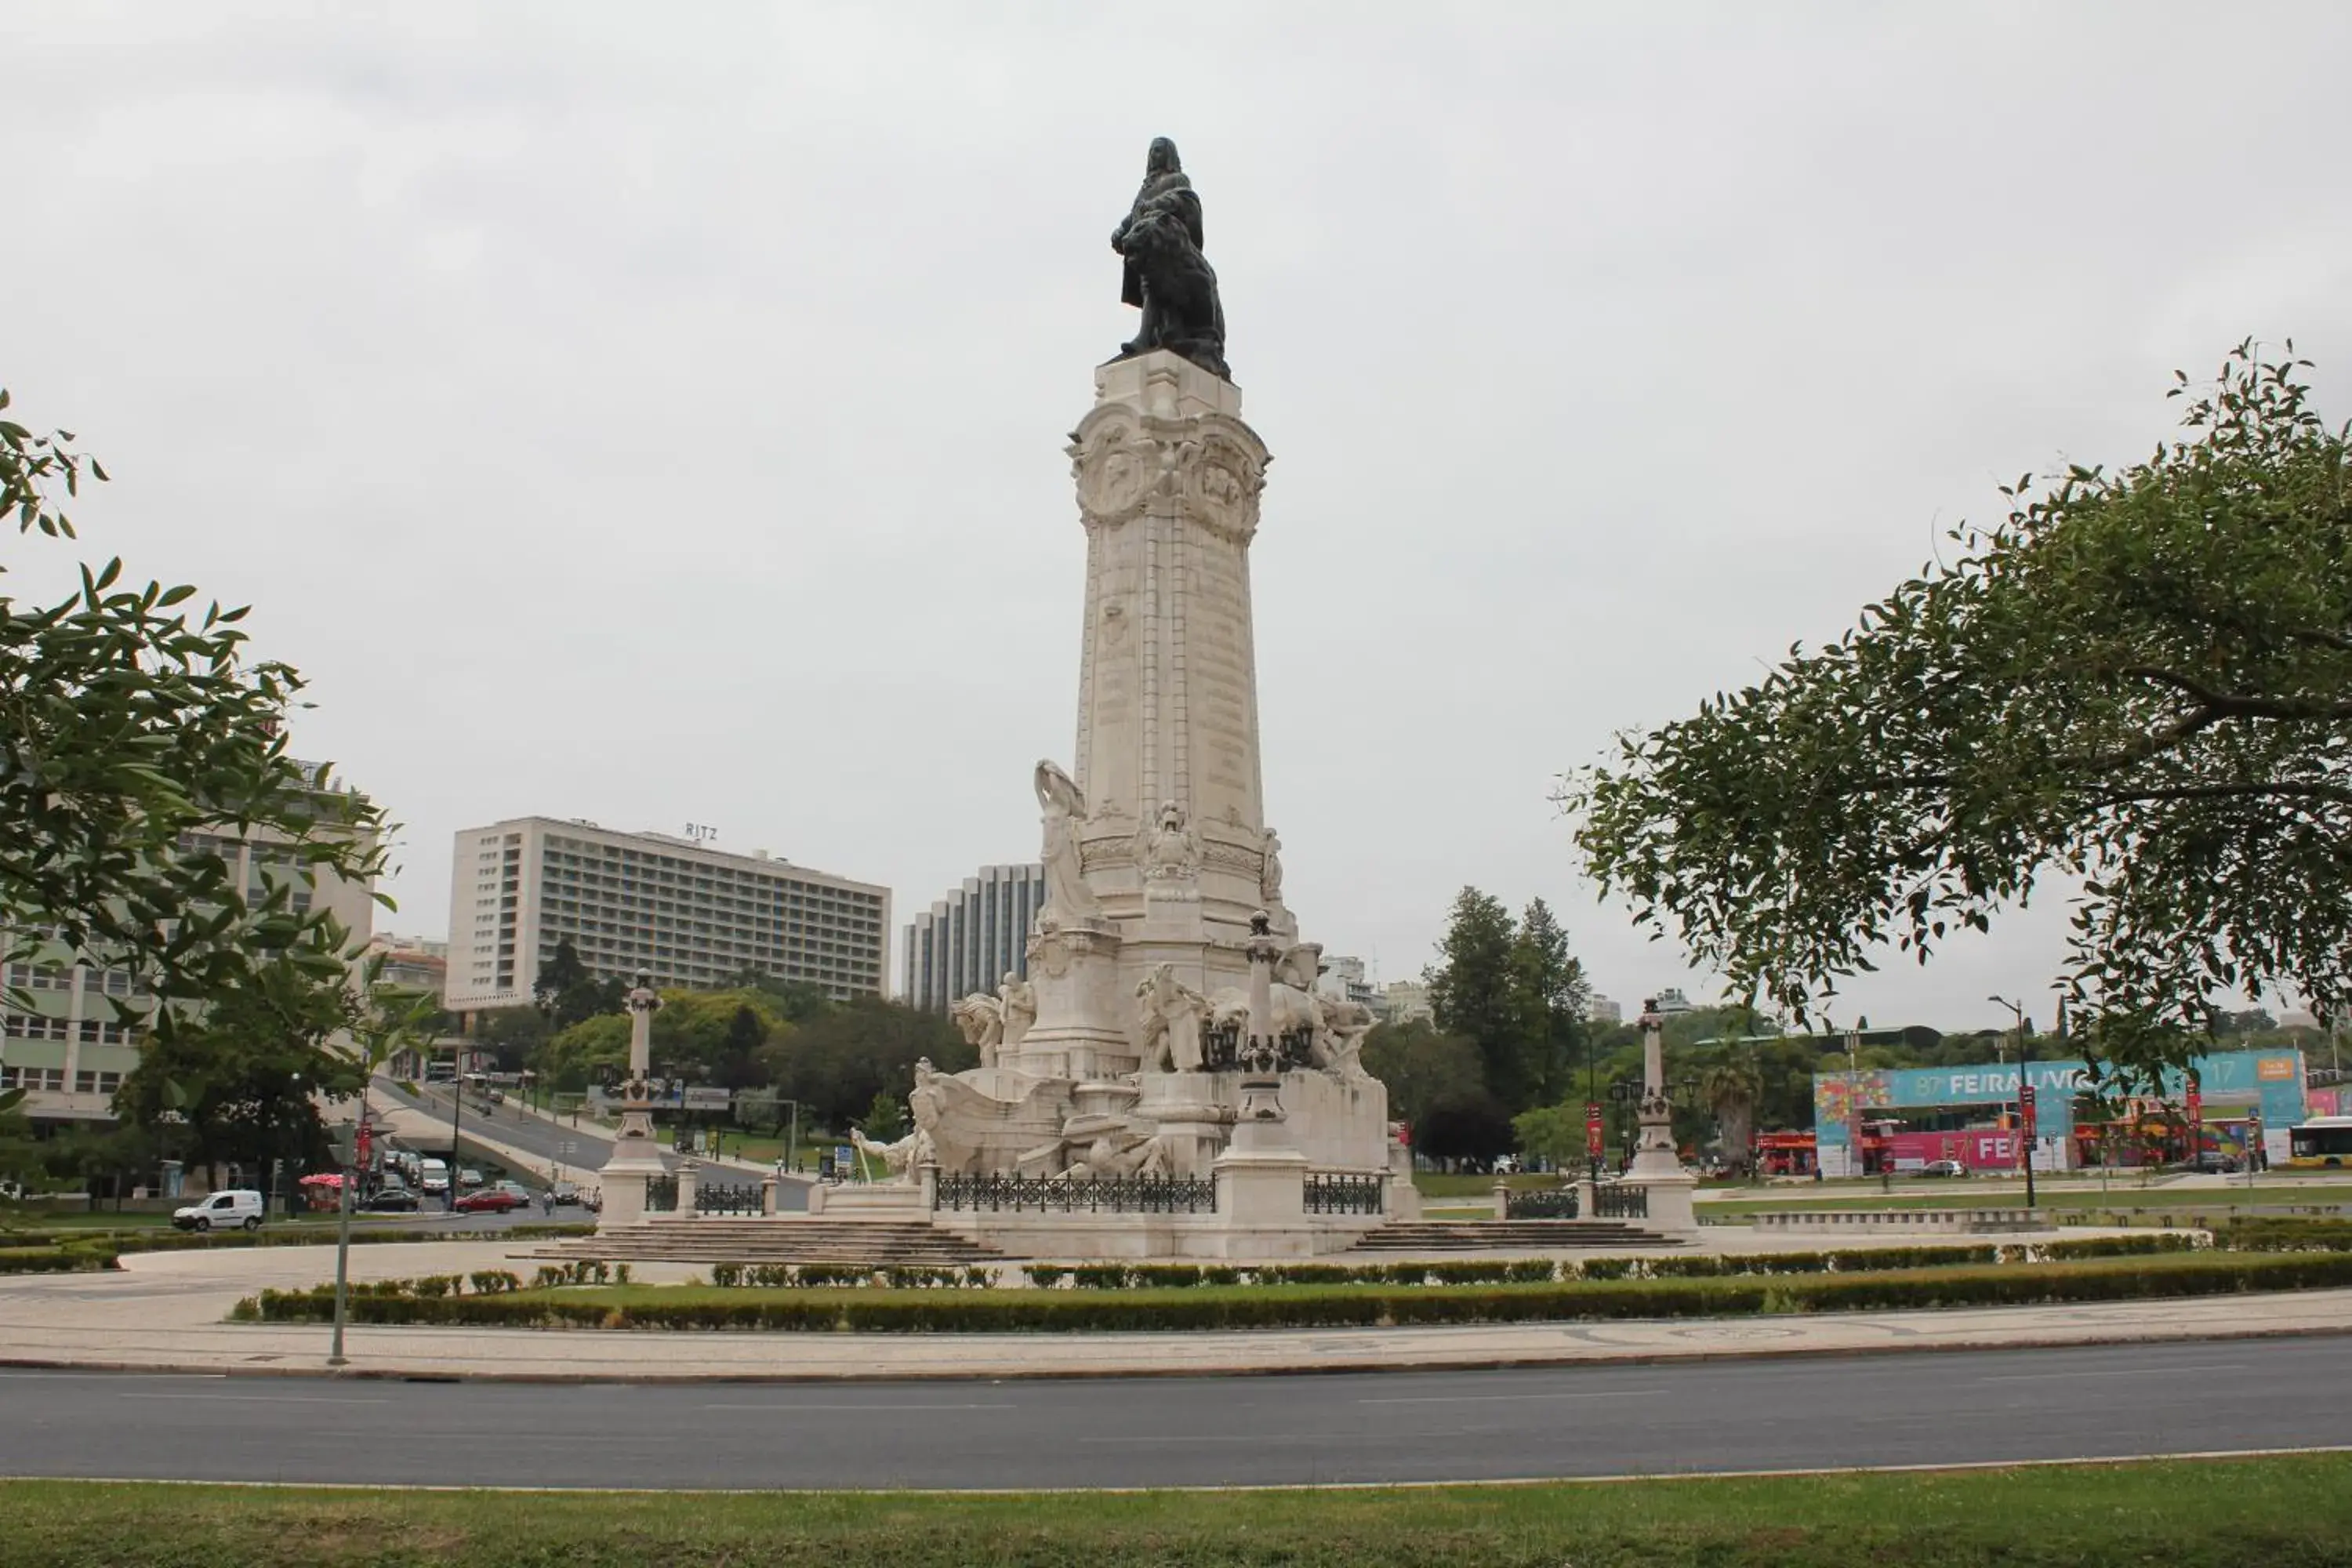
x=1017 y=1006
x=1269 y=876
x=1063 y=807
x=1170 y=850
x=1169 y=1011
x=1340 y=1027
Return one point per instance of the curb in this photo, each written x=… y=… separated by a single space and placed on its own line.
x=1406 y=1363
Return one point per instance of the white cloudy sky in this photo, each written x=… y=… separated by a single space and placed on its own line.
x=656 y=413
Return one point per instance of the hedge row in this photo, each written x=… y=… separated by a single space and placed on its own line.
x=2272 y=1234
x=805 y=1276
x=1342 y=1305
x=280 y=1235
x=53 y=1260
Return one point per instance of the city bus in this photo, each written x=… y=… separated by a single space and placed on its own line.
x=2322 y=1141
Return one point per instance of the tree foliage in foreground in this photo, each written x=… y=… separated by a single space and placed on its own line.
x=129 y=719
x=2142 y=678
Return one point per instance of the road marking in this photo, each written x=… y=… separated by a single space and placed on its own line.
x=2135 y=1371
x=261 y=1398
x=1512 y=1398
x=1637 y=1477
x=862 y=1409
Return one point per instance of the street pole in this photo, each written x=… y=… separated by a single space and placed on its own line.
x=343 y=1259
x=457 y=1120
x=1854 y=1100
x=2024 y=1095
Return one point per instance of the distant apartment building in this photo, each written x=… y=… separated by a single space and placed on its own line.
x=63 y=1039
x=969 y=940
x=1671 y=1000
x=412 y=963
x=1601 y=1010
x=648 y=902
x=1344 y=979
x=1405 y=1001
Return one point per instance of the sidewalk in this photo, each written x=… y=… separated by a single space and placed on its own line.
x=163 y=1313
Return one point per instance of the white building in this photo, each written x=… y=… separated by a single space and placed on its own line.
x=70 y=1050
x=1406 y=1002
x=631 y=902
x=1600 y=1010
x=1672 y=1000
x=1344 y=980
x=969 y=940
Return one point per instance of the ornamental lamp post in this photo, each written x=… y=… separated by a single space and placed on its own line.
x=2025 y=1106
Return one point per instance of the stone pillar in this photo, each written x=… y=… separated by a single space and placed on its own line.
x=689 y=1174
x=1261 y=1177
x=926 y=1176
x=1657 y=1168
x=636 y=1158
x=767 y=1197
x=1587 y=1199
x=1502 y=1200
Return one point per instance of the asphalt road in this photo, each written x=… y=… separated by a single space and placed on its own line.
x=590 y=1146
x=1914 y=1408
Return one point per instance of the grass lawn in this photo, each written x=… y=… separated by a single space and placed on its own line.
x=2290 y=1512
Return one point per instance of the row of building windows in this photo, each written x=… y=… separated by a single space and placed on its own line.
x=53 y=1080
x=61 y=977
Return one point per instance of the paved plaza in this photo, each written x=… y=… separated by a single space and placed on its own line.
x=166 y=1312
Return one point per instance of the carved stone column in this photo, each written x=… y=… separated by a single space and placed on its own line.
x=636 y=1158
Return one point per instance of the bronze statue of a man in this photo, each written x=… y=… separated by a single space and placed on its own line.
x=1165 y=275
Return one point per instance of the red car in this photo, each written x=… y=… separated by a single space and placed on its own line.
x=493 y=1200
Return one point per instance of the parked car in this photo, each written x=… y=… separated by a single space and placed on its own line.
x=1943 y=1168
x=433 y=1176
x=469 y=1178
x=238 y=1208
x=392 y=1200
x=2212 y=1162
x=493 y=1200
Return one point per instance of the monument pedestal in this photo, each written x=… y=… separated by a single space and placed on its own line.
x=623 y=1186
x=1078 y=1035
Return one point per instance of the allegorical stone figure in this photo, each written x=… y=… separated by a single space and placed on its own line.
x=1166 y=276
x=1062 y=808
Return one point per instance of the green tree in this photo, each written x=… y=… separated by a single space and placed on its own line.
x=1473 y=991
x=1549 y=997
x=235 y=1084
x=589 y=1051
x=885 y=1120
x=1729 y=1087
x=836 y=1063
x=2142 y=678
x=1421 y=1068
x=130 y=721
x=566 y=992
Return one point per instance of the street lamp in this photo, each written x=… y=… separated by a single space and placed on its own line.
x=2024 y=1094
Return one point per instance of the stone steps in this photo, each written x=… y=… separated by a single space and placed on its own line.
x=878 y=1243
x=1507 y=1235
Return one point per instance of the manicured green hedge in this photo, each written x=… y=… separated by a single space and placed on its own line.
x=1336 y=1305
x=2268 y=1235
x=55 y=1260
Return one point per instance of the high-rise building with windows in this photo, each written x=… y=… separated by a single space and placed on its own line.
x=63 y=1037
x=648 y=902
x=969 y=940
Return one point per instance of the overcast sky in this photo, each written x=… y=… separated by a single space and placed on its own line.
x=655 y=414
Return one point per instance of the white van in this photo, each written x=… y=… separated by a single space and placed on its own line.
x=238 y=1208
x=432 y=1175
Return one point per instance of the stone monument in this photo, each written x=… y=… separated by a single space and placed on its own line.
x=1657 y=1168
x=636 y=1158
x=1165 y=950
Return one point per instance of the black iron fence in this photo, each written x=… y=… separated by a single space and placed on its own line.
x=1126 y=1195
x=1333 y=1192
x=661 y=1194
x=1616 y=1200
x=1540 y=1203
x=740 y=1198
